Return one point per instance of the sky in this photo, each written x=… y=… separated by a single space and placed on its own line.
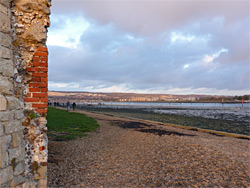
x=150 y=46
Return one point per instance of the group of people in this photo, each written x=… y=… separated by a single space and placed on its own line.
x=55 y=103
x=62 y=104
x=68 y=105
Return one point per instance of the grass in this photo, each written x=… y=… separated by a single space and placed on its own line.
x=112 y=124
x=63 y=125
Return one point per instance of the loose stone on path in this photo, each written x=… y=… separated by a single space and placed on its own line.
x=118 y=156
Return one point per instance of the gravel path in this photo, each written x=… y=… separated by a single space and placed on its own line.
x=127 y=153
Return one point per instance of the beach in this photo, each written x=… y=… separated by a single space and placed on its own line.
x=126 y=152
x=231 y=119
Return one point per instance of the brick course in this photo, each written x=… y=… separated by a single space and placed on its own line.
x=38 y=87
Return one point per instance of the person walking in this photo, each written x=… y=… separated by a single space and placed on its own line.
x=68 y=106
x=74 y=105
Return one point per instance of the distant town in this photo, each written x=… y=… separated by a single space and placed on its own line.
x=88 y=97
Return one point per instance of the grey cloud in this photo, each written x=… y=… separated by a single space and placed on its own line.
x=145 y=17
x=150 y=66
x=106 y=57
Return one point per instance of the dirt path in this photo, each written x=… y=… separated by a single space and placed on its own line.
x=128 y=153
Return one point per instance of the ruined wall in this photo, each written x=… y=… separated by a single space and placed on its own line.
x=23 y=92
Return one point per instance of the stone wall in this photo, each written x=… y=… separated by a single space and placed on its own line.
x=23 y=92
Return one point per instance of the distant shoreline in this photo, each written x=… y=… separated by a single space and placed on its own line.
x=56 y=96
x=179 y=102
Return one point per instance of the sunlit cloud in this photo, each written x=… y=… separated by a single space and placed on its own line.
x=60 y=85
x=177 y=36
x=68 y=32
x=186 y=66
x=210 y=58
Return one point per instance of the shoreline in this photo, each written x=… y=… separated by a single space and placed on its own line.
x=214 y=132
x=234 y=127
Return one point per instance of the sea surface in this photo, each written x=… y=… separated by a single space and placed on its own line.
x=224 y=111
x=157 y=104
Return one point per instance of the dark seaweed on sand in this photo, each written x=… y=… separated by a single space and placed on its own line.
x=237 y=127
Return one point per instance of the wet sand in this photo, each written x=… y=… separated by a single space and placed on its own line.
x=131 y=153
x=219 y=119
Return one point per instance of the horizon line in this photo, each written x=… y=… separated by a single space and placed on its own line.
x=142 y=93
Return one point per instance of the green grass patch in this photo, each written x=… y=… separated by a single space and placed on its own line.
x=63 y=125
x=112 y=124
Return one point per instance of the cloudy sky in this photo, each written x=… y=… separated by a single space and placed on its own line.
x=150 y=46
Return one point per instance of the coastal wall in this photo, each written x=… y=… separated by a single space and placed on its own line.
x=23 y=92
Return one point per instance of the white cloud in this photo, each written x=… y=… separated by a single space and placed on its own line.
x=67 y=30
x=125 y=89
x=186 y=66
x=152 y=17
x=62 y=85
x=177 y=36
x=210 y=58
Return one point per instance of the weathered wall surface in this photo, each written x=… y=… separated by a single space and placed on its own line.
x=23 y=92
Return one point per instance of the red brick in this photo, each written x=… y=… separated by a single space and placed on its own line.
x=40 y=95
x=44 y=65
x=36 y=79
x=28 y=95
x=39 y=105
x=41 y=111
x=33 y=69
x=38 y=85
x=44 y=99
x=41 y=148
x=34 y=89
x=42 y=49
x=35 y=58
x=44 y=89
x=44 y=59
x=44 y=69
x=31 y=99
x=40 y=74
x=45 y=54
x=45 y=79
x=39 y=64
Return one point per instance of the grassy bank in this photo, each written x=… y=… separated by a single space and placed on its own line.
x=63 y=125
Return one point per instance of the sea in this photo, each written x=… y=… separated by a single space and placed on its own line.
x=157 y=104
x=224 y=111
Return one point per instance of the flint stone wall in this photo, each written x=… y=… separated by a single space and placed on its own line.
x=23 y=92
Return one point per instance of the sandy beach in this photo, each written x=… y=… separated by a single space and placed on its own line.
x=131 y=153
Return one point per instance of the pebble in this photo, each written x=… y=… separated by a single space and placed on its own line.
x=118 y=157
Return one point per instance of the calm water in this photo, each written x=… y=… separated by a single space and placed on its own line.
x=155 y=104
x=226 y=111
